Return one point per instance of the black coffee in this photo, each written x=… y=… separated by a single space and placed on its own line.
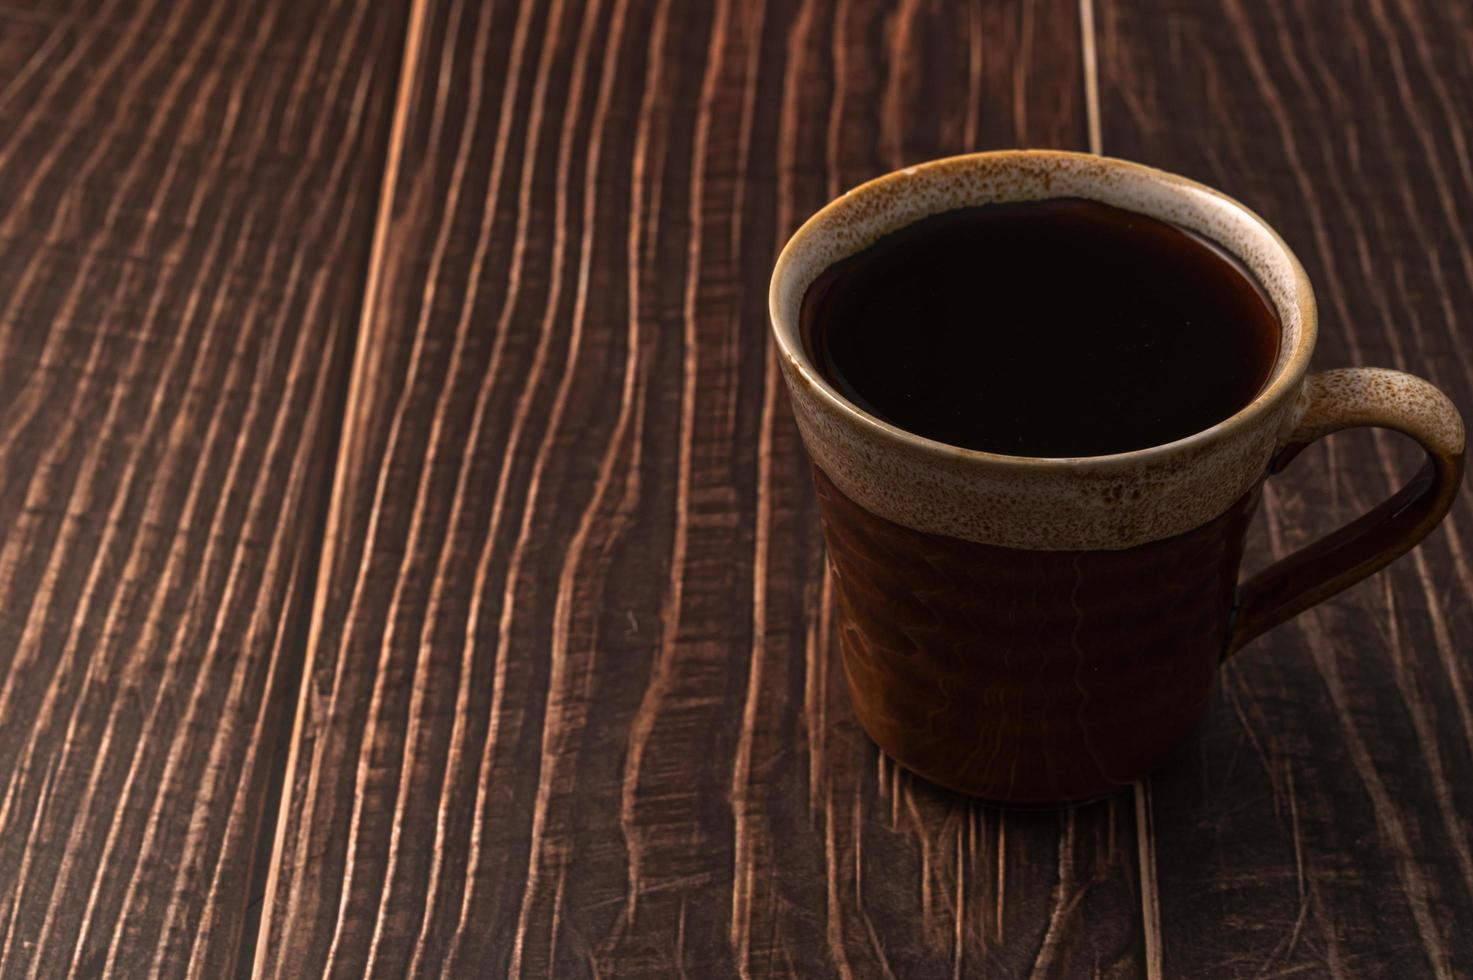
x=1049 y=328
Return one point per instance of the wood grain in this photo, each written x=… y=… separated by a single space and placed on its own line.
x=387 y=400
x=1319 y=824
x=571 y=707
x=189 y=189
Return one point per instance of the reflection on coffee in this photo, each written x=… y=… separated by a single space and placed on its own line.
x=1051 y=328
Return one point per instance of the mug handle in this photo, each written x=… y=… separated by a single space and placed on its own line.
x=1344 y=399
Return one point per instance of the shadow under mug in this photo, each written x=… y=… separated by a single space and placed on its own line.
x=1044 y=631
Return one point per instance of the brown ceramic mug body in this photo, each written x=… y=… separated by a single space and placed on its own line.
x=1041 y=631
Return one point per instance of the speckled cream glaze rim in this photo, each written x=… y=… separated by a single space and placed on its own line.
x=1097 y=502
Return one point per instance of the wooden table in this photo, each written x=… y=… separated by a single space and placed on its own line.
x=408 y=560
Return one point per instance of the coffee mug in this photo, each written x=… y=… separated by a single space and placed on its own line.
x=1044 y=631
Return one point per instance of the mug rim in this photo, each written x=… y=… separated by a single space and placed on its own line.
x=1289 y=369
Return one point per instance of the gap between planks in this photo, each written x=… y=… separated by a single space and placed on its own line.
x=1091 y=74
x=363 y=352
x=1145 y=832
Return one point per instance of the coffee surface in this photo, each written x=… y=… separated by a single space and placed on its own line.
x=1050 y=329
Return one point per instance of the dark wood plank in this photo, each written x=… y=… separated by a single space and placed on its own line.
x=189 y=195
x=572 y=708
x=1319 y=825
